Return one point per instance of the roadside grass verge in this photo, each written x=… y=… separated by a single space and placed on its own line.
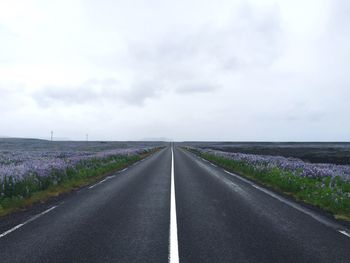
x=329 y=194
x=32 y=190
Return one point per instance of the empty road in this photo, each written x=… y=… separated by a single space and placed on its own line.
x=128 y=218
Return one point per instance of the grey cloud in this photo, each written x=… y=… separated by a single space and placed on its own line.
x=269 y=56
x=89 y=92
x=141 y=91
x=250 y=38
x=193 y=61
x=197 y=88
x=96 y=91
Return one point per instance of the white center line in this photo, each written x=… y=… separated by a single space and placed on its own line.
x=173 y=241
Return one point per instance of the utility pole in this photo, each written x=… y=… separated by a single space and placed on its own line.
x=87 y=137
x=51 y=135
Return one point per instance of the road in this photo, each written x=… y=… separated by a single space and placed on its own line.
x=218 y=216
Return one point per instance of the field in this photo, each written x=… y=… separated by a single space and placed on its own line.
x=29 y=166
x=314 y=152
x=287 y=167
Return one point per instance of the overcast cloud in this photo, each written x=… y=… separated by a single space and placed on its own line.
x=186 y=70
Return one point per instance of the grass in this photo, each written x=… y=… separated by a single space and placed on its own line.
x=32 y=191
x=331 y=195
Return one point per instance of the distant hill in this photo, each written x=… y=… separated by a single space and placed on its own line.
x=13 y=139
x=156 y=139
x=17 y=138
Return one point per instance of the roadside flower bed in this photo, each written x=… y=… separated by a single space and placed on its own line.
x=297 y=166
x=23 y=173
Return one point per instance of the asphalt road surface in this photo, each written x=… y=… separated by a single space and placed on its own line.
x=220 y=218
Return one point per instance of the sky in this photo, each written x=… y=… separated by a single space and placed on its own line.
x=224 y=70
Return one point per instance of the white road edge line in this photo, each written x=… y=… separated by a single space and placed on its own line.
x=344 y=233
x=28 y=221
x=48 y=210
x=92 y=186
x=173 y=241
x=11 y=230
x=112 y=176
x=296 y=206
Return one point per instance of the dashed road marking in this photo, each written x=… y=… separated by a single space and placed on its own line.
x=11 y=230
x=28 y=221
x=52 y=208
x=92 y=186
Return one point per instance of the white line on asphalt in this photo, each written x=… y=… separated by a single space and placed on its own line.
x=173 y=241
x=11 y=230
x=48 y=210
x=296 y=206
x=26 y=222
x=344 y=233
x=92 y=186
x=240 y=178
x=300 y=208
x=323 y=220
x=317 y=217
x=109 y=177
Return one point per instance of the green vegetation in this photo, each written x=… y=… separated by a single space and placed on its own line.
x=330 y=194
x=34 y=189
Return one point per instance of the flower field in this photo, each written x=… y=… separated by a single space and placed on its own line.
x=294 y=165
x=311 y=152
x=324 y=185
x=30 y=166
x=19 y=165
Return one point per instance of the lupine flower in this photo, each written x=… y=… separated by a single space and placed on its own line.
x=297 y=166
x=19 y=164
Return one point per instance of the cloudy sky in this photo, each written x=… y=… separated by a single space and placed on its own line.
x=185 y=70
